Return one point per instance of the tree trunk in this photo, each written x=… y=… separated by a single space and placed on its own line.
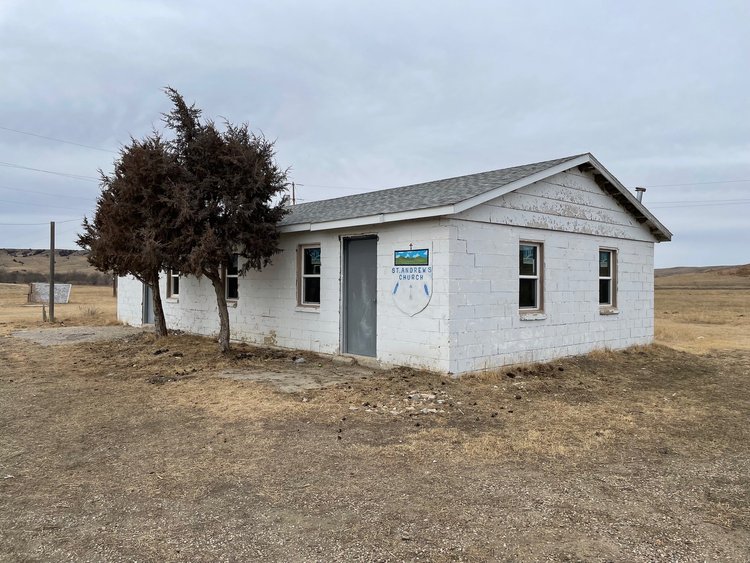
x=221 y=301
x=160 y=323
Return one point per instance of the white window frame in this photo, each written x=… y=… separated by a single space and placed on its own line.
x=538 y=277
x=611 y=278
x=228 y=276
x=302 y=276
x=173 y=275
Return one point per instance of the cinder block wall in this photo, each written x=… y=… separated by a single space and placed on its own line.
x=472 y=321
x=129 y=301
x=423 y=340
x=488 y=328
x=267 y=311
x=572 y=218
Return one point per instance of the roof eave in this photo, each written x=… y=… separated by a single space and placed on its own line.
x=585 y=163
x=612 y=186
x=411 y=214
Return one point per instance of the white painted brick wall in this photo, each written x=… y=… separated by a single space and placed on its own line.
x=487 y=327
x=267 y=312
x=129 y=301
x=472 y=321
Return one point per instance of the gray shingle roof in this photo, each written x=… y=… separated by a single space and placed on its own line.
x=416 y=196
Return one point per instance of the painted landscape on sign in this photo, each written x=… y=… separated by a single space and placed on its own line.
x=419 y=257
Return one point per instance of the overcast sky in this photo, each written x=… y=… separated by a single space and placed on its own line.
x=362 y=96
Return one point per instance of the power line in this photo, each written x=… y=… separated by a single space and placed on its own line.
x=309 y=185
x=25 y=191
x=702 y=201
x=743 y=202
x=350 y=188
x=697 y=183
x=32 y=204
x=57 y=140
x=67 y=229
x=332 y=187
x=35 y=224
x=64 y=174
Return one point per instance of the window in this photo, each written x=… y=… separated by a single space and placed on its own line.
x=607 y=278
x=231 y=278
x=529 y=274
x=309 y=286
x=173 y=283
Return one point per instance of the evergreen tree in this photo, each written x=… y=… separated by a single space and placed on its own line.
x=230 y=199
x=134 y=225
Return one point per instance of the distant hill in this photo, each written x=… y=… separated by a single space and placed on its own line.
x=741 y=270
x=23 y=265
x=715 y=277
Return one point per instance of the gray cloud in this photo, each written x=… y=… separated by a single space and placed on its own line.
x=371 y=95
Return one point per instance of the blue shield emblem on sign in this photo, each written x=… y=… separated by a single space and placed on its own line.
x=412 y=279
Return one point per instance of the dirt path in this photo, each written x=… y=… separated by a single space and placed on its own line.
x=135 y=449
x=59 y=336
x=295 y=373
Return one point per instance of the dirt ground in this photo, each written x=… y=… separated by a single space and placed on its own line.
x=137 y=449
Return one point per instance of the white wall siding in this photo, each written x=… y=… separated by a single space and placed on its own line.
x=489 y=330
x=472 y=321
x=129 y=301
x=572 y=218
x=267 y=311
x=421 y=340
x=569 y=201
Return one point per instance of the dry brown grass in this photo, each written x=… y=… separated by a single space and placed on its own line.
x=89 y=305
x=703 y=309
x=700 y=320
x=632 y=455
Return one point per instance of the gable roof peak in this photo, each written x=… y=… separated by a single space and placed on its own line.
x=456 y=194
x=423 y=195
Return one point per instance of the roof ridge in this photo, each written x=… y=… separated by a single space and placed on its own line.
x=381 y=190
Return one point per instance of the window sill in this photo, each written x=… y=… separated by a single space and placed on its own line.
x=532 y=316
x=231 y=303
x=172 y=300
x=609 y=311
x=307 y=309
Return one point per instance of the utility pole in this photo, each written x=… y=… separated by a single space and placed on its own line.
x=294 y=195
x=52 y=271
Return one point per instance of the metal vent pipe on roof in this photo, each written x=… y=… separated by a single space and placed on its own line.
x=639 y=193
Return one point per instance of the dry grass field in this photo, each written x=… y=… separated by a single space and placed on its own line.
x=701 y=309
x=91 y=305
x=133 y=449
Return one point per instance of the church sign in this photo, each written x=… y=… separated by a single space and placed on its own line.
x=412 y=279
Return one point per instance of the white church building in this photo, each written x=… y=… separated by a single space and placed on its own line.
x=524 y=264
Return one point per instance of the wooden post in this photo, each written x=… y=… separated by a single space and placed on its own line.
x=52 y=271
x=114 y=285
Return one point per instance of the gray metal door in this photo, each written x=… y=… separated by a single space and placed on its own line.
x=148 y=305
x=360 y=295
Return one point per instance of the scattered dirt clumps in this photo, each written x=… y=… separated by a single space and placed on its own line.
x=142 y=448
